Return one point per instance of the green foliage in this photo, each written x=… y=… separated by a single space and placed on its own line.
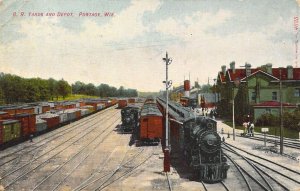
x=15 y=89
x=147 y=94
x=291 y=120
x=268 y=119
x=63 y=88
x=103 y=90
x=206 y=89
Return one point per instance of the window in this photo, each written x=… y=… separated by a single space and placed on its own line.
x=253 y=96
x=297 y=92
x=274 y=96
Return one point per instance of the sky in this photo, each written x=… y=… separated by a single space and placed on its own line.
x=126 y=48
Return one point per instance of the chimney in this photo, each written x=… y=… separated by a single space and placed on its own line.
x=223 y=69
x=187 y=88
x=248 y=69
x=232 y=66
x=269 y=68
x=289 y=72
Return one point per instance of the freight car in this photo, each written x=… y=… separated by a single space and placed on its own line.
x=16 y=125
x=151 y=124
x=130 y=118
x=122 y=103
x=199 y=142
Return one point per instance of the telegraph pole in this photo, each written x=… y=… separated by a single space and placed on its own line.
x=167 y=148
x=281 y=113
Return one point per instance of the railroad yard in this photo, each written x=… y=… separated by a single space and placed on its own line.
x=94 y=154
x=149 y=95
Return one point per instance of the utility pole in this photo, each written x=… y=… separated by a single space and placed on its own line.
x=281 y=120
x=215 y=91
x=167 y=147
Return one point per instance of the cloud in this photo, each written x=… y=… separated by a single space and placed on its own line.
x=194 y=25
x=50 y=50
x=125 y=25
x=47 y=49
x=202 y=52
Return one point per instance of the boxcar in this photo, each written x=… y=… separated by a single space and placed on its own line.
x=151 y=124
x=51 y=119
x=131 y=100
x=9 y=130
x=3 y=115
x=28 y=123
x=122 y=103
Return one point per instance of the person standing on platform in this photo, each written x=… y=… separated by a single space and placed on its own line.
x=252 y=129
x=245 y=125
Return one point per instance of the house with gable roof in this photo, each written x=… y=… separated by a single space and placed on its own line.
x=257 y=90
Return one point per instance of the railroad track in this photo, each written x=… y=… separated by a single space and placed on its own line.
x=257 y=173
x=216 y=186
x=287 y=143
x=45 y=152
x=125 y=168
x=28 y=168
x=83 y=154
x=51 y=136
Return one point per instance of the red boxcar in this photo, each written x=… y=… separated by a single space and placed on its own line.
x=94 y=104
x=122 y=103
x=51 y=119
x=45 y=108
x=28 y=123
x=3 y=115
x=29 y=110
x=10 y=111
x=131 y=100
x=151 y=123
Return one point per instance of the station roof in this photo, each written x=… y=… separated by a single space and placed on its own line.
x=273 y=104
x=241 y=73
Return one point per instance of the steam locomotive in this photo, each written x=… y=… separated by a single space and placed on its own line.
x=199 y=142
x=130 y=118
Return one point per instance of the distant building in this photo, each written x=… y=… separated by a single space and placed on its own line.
x=256 y=88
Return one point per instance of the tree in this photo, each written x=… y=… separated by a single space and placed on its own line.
x=63 y=88
x=121 y=91
x=52 y=85
x=103 y=90
x=79 y=88
x=206 y=89
x=90 y=89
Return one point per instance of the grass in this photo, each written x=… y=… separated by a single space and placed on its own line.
x=73 y=97
x=289 y=133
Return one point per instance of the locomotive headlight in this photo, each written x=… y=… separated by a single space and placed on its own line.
x=210 y=125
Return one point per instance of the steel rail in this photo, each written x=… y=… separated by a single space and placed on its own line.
x=22 y=175
x=79 y=152
x=50 y=137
